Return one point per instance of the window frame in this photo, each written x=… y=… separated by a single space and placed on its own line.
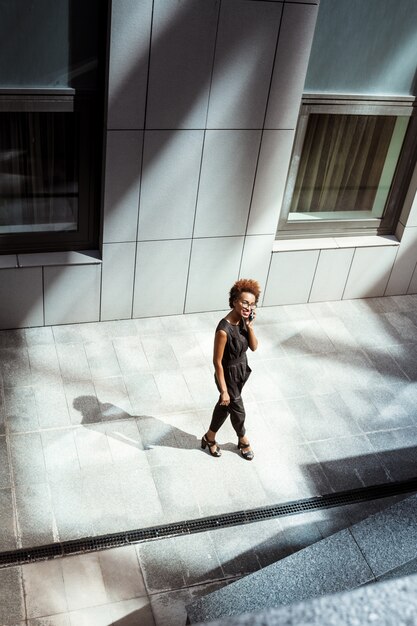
x=353 y=105
x=57 y=101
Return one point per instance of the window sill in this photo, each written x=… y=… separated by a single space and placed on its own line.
x=8 y=261
x=40 y=259
x=327 y=243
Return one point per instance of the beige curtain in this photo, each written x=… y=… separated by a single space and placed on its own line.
x=341 y=163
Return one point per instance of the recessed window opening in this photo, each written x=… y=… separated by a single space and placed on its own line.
x=348 y=168
x=39 y=165
x=52 y=86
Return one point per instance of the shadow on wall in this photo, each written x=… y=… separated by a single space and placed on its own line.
x=184 y=19
x=183 y=24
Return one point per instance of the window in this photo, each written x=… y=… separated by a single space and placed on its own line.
x=51 y=117
x=349 y=166
x=47 y=196
x=38 y=172
x=47 y=199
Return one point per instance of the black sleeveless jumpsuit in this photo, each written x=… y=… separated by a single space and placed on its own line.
x=236 y=373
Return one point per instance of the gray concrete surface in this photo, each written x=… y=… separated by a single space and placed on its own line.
x=100 y=428
x=382 y=543
x=386 y=604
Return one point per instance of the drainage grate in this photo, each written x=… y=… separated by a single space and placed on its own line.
x=115 y=540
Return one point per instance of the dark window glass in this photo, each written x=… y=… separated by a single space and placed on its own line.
x=39 y=165
x=50 y=43
x=52 y=82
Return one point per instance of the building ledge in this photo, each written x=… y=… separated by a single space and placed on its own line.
x=8 y=261
x=40 y=259
x=326 y=243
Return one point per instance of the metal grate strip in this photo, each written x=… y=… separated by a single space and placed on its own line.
x=103 y=542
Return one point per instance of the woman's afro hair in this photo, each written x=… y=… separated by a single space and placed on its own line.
x=244 y=284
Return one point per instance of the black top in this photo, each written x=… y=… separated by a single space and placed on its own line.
x=234 y=361
x=237 y=340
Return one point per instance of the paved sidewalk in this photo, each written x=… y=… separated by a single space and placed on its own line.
x=102 y=422
x=100 y=428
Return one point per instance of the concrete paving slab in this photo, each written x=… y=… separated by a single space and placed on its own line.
x=341 y=466
x=389 y=539
x=397 y=450
x=44 y=365
x=2 y=411
x=169 y=607
x=387 y=604
x=121 y=573
x=408 y=569
x=39 y=577
x=7 y=520
x=334 y=564
x=12 y=607
x=34 y=515
x=27 y=459
x=20 y=409
x=51 y=404
x=4 y=464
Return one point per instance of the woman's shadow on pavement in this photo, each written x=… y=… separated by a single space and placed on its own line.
x=153 y=431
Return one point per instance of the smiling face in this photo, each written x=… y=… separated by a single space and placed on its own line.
x=244 y=304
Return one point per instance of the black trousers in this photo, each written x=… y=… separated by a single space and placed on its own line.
x=236 y=410
x=236 y=373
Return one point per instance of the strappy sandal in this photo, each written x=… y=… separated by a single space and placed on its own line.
x=206 y=442
x=246 y=455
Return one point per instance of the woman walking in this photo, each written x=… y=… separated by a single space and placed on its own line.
x=234 y=334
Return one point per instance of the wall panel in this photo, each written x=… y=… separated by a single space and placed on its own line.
x=171 y=169
x=227 y=173
x=121 y=186
x=214 y=268
x=117 y=280
x=295 y=39
x=370 y=271
x=245 y=50
x=21 y=297
x=72 y=294
x=128 y=63
x=161 y=277
x=290 y=277
x=405 y=262
x=271 y=175
x=256 y=258
x=181 y=61
x=331 y=274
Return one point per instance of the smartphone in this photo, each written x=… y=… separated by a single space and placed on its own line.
x=251 y=316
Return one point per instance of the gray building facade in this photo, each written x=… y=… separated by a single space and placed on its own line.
x=202 y=100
